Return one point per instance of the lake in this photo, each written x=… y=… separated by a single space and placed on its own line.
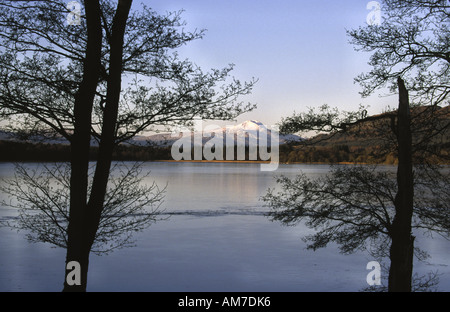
x=217 y=238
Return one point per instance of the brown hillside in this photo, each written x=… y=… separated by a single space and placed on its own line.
x=374 y=141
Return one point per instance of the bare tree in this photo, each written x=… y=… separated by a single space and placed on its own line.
x=354 y=206
x=364 y=207
x=42 y=196
x=359 y=206
x=108 y=78
x=412 y=42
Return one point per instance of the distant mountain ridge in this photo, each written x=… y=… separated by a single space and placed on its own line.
x=250 y=130
x=22 y=147
x=362 y=144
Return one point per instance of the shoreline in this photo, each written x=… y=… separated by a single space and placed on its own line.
x=212 y=162
x=260 y=162
x=196 y=161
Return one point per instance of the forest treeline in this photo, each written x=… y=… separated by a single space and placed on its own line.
x=289 y=153
x=340 y=154
x=46 y=152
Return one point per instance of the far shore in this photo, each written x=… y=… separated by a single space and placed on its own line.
x=259 y=162
x=195 y=161
x=214 y=161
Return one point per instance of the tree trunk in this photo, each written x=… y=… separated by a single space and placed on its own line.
x=107 y=140
x=80 y=146
x=84 y=216
x=402 y=247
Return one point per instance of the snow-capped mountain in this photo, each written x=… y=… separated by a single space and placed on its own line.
x=248 y=131
x=252 y=127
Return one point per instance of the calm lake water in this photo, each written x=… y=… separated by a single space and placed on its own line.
x=216 y=239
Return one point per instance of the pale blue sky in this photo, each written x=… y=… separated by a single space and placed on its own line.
x=298 y=49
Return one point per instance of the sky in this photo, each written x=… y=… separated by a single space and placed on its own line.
x=299 y=51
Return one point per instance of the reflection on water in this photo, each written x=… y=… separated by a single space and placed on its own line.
x=216 y=239
x=214 y=186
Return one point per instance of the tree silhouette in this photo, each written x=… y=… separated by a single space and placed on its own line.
x=360 y=206
x=109 y=78
x=42 y=196
x=411 y=42
x=365 y=207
